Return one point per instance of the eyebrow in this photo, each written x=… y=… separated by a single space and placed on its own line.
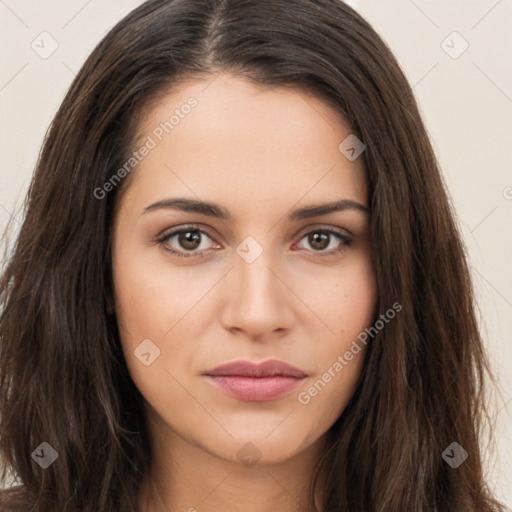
x=217 y=211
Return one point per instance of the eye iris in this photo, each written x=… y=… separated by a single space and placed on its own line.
x=315 y=238
x=189 y=239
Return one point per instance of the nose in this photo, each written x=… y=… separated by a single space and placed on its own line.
x=259 y=302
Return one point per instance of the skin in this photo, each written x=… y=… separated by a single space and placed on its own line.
x=259 y=152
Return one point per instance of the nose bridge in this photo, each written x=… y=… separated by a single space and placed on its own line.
x=252 y=267
x=258 y=299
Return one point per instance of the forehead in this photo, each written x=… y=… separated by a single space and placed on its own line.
x=234 y=141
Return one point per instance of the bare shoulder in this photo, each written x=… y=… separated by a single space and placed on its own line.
x=13 y=499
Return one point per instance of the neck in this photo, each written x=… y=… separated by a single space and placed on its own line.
x=186 y=478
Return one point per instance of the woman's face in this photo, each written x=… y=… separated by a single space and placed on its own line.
x=255 y=276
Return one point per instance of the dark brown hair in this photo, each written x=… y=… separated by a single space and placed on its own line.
x=63 y=377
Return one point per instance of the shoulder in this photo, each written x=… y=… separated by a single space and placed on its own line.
x=13 y=499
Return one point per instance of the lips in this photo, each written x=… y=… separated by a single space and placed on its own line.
x=253 y=382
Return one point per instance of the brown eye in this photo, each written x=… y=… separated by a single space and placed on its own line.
x=321 y=239
x=318 y=240
x=189 y=240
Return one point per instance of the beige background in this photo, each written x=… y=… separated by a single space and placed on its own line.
x=466 y=102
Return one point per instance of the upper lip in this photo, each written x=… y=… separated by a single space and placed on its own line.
x=268 y=368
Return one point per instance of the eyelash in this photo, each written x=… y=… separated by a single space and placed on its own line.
x=163 y=240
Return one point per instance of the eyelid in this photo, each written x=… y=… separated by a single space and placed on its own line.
x=171 y=232
x=327 y=227
x=346 y=238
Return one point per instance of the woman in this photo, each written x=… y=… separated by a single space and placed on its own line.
x=239 y=283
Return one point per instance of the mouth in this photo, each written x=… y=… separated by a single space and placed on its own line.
x=253 y=382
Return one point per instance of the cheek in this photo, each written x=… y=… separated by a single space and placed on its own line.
x=158 y=303
x=139 y=304
x=339 y=362
x=147 y=304
x=357 y=303
x=150 y=296
x=342 y=299
x=326 y=396
x=347 y=308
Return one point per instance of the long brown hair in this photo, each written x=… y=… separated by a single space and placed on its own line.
x=63 y=377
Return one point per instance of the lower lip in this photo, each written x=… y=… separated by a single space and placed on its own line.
x=255 y=389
